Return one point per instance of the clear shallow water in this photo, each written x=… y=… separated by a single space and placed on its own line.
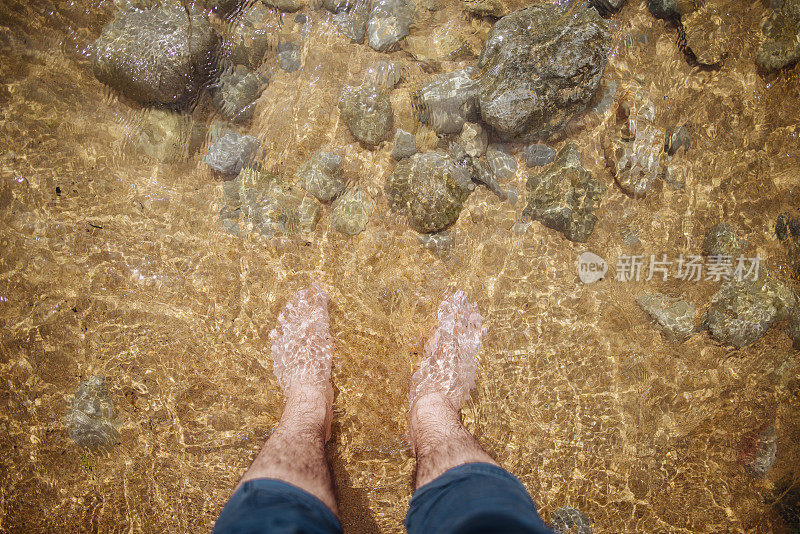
x=115 y=265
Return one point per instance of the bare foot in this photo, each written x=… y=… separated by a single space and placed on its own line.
x=450 y=356
x=302 y=350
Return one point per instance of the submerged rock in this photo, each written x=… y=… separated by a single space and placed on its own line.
x=350 y=212
x=708 y=33
x=351 y=18
x=721 y=240
x=321 y=176
x=758 y=450
x=672 y=9
x=538 y=155
x=482 y=174
x=405 y=144
x=90 y=416
x=168 y=136
x=158 y=56
x=502 y=163
x=289 y=56
x=633 y=145
x=388 y=23
x=564 y=196
x=449 y=101
x=237 y=92
x=677 y=138
x=249 y=39
x=268 y=205
x=781 y=46
x=673 y=315
x=607 y=6
x=540 y=66
x=793 y=329
x=289 y=6
x=742 y=311
x=474 y=139
x=429 y=189
x=384 y=74
x=568 y=520
x=367 y=111
x=230 y=151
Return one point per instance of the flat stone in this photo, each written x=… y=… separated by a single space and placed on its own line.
x=168 y=136
x=389 y=23
x=741 y=312
x=781 y=46
x=673 y=315
x=230 y=151
x=289 y=56
x=564 y=195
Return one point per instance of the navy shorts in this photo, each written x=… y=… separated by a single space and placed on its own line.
x=468 y=499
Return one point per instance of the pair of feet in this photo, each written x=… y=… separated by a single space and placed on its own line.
x=302 y=353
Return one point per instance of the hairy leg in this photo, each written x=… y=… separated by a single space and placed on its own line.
x=443 y=381
x=302 y=352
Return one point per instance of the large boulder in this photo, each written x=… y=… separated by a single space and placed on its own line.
x=564 y=196
x=540 y=66
x=429 y=189
x=160 y=56
x=449 y=101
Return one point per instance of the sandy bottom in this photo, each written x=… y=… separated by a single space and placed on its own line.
x=112 y=264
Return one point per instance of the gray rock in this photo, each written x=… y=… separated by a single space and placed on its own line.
x=568 y=520
x=350 y=212
x=781 y=47
x=352 y=25
x=564 y=195
x=677 y=138
x=742 y=311
x=673 y=315
x=341 y=6
x=474 y=139
x=90 y=416
x=540 y=66
x=367 y=111
x=429 y=189
x=502 y=163
x=289 y=56
x=538 y=155
x=721 y=240
x=405 y=144
x=633 y=145
x=482 y=174
x=667 y=9
x=388 y=23
x=156 y=56
x=449 y=101
x=321 y=176
x=605 y=7
x=708 y=33
x=249 y=40
x=230 y=151
x=384 y=74
x=309 y=215
x=237 y=92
